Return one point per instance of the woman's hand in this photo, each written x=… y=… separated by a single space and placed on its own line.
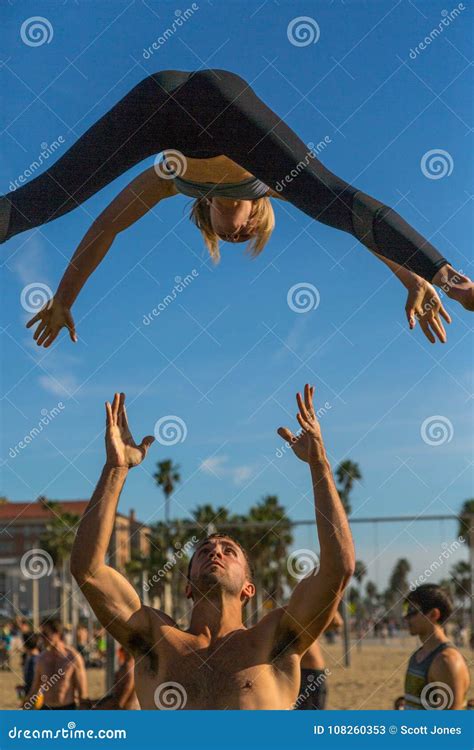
x=54 y=316
x=424 y=303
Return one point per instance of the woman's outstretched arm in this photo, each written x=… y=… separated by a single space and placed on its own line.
x=133 y=202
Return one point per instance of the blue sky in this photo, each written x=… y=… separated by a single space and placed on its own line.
x=229 y=354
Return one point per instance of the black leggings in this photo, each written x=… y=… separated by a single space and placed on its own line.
x=203 y=114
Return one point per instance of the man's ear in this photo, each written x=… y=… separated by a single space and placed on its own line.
x=434 y=615
x=188 y=591
x=248 y=591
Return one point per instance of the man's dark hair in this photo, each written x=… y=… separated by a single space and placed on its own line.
x=218 y=535
x=54 y=625
x=429 y=596
x=32 y=641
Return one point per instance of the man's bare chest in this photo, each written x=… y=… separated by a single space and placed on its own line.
x=225 y=676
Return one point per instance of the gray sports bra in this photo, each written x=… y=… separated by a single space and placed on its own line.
x=249 y=189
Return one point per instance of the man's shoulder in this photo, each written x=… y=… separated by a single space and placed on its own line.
x=448 y=660
x=268 y=624
x=158 y=617
x=73 y=654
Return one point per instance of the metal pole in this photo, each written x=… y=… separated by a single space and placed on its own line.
x=346 y=630
x=110 y=665
x=312 y=522
x=35 y=603
x=470 y=520
x=74 y=610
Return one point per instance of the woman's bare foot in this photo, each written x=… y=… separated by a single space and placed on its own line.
x=456 y=286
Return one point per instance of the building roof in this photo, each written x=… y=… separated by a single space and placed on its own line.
x=36 y=511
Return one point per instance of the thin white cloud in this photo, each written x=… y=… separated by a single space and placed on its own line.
x=59 y=385
x=219 y=468
x=214 y=465
x=30 y=262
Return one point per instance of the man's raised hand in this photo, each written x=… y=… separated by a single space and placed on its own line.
x=122 y=451
x=308 y=444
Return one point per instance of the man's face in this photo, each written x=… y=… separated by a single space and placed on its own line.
x=50 y=638
x=419 y=622
x=219 y=563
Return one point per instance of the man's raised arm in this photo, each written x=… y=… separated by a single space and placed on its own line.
x=314 y=600
x=113 y=599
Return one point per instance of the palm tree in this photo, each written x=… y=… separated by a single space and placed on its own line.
x=461 y=583
x=58 y=539
x=347 y=473
x=268 y=547
x=210 y=519
x=398 y=586
x=167 y=476
x=371 y=597
x=360 y=571
x=466 y=521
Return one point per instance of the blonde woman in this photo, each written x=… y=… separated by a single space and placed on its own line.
x=232 y=154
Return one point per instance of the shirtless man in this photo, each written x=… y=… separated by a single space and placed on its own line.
x=313 y=688
x=122 y=695
x=60 y=675
x=437 y=674
x=217 y=663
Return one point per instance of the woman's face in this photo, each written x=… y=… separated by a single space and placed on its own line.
x=230 y=219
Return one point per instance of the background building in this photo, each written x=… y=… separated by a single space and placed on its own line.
x=27 y=570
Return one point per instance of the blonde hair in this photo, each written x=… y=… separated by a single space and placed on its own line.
x=262 y=213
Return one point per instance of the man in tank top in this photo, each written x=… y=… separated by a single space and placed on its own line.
x=437 y=676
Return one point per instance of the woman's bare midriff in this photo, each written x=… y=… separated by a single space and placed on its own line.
x=219 y=169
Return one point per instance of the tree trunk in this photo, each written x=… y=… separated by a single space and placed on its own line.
x=64 y=593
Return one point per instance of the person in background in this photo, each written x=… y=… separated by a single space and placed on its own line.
x=82 y=637
x=32 y=652
x=313 y=688
x=25 y=630
x=5 y=647
x=399 y=704
x=122 y=696
x=60 y=676
x=437 y=675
